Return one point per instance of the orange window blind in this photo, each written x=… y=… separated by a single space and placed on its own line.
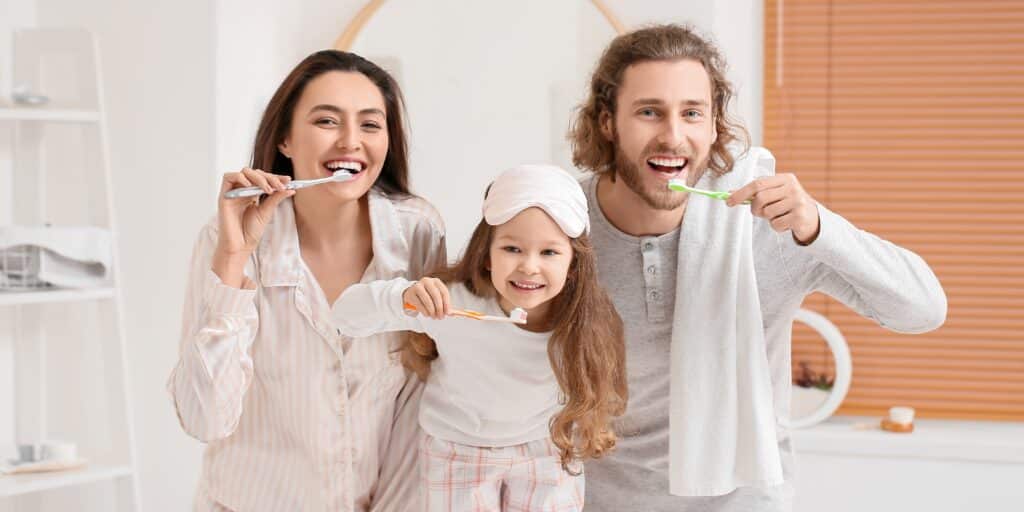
x=907 y=118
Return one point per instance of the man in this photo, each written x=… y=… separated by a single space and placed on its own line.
x=709 y=394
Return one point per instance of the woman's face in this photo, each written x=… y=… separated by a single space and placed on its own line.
x=339 y=122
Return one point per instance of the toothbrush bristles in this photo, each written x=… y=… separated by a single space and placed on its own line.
x=518 y=315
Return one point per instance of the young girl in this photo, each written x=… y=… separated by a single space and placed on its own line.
x=294 y=415
x=510 y=410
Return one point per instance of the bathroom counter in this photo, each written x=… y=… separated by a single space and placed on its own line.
x=943 y=466
x=979 y=441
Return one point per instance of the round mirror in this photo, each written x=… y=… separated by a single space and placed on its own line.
x=816 y=394
x=489 y=84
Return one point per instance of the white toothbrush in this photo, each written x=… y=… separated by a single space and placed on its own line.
x=338 y=176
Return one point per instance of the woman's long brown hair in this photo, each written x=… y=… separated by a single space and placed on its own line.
x=586 y=349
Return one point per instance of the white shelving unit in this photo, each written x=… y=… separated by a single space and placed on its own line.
x=63 y=350
x=49 y=114
x=56 y=296
x=15 y=485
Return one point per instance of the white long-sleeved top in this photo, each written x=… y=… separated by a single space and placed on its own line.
x=295 y=415
x=492 y=383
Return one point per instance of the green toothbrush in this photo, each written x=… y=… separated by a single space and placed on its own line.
x=680 y=186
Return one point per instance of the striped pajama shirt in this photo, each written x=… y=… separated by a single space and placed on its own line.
x=294 y=415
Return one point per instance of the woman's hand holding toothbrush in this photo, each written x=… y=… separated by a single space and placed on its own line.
x=430 y=297
x=241 y=221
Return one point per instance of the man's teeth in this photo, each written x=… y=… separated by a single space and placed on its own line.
x=527 y=286
x=668 y=162
x=352 y=166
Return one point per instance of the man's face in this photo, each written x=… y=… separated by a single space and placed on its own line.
x=663 y=128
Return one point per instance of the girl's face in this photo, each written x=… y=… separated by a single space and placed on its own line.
x=529 y=260
x=340 y=121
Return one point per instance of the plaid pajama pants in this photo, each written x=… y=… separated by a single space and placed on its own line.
x=522 y=478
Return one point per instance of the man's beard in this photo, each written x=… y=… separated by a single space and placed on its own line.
x=658 y=198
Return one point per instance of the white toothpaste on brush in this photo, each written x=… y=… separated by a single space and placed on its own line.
x=518 y=315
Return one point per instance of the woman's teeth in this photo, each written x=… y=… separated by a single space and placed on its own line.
x=352 y=167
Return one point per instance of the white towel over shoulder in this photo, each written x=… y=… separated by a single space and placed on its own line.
x=722 y=428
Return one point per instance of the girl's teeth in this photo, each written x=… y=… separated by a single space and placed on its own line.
x=527 y=286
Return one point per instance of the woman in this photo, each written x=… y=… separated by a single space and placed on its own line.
x=297 y=416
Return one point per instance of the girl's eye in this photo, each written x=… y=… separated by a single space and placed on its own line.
x=371 y=126
x=549 y=252
x=694 y=114
x=326 y=122
x=510 y=248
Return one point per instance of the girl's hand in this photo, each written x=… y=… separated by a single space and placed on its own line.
x=242 y=220
x=430 y=297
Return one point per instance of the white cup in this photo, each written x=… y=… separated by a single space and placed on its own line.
x=30 y=452
x=901 y=415
x=60 y=451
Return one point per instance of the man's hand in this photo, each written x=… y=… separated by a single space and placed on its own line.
x=784 y=202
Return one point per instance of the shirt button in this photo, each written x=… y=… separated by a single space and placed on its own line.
x=648 y=246
x=654 y=295
x=651 y=269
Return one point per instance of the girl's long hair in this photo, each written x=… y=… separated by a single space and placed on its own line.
x=586 y=349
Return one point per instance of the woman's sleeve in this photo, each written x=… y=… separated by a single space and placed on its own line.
x=214 y=368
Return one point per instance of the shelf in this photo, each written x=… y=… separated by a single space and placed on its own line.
x=8 y=298
x=974 y=441
x=13 y=485
x=60 y=115
x=72 y=125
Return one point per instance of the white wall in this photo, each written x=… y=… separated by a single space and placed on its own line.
x=257 y=42
x=158 y=69
x=13 y=14
x=486 y=96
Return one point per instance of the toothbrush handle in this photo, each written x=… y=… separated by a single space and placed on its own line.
x=339 y=176
x=409 y=308
x=235 y=193
x=291 y=185
x=257 y=191
x=468 y=314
